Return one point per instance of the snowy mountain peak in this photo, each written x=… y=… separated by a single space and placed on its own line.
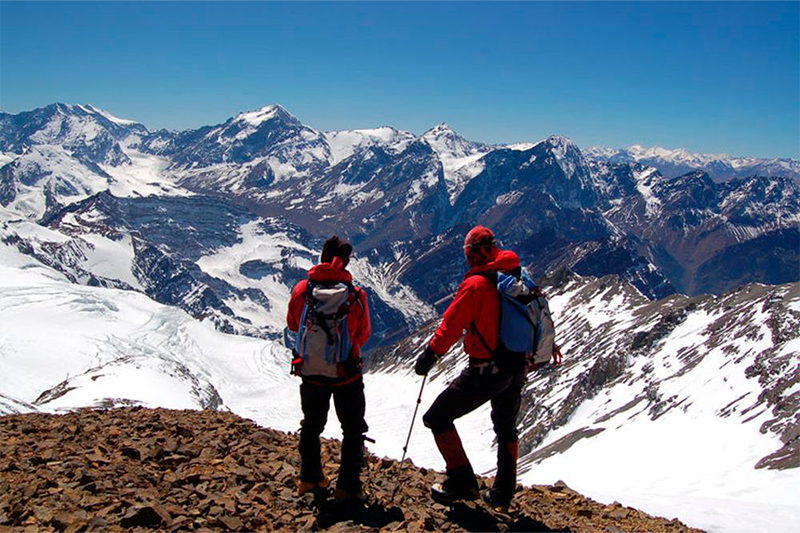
x=89 y=108
x=560 y=142
x=443 y=134
x=676 y=153
x=461 y=159
x=85 y=111
x=440 y=129
x=447 y=143
x=264 y=114
x=569 y=157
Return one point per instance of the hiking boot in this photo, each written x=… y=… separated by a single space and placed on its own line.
x=498 y=504
x=447 y=493
x=308 y=486
x=348 y=496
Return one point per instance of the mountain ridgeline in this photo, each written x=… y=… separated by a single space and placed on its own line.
x=405 y=201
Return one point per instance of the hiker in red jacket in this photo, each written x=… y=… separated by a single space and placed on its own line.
x=475 y=309
x=331 y=318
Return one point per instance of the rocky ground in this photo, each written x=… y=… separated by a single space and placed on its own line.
x=135 y=468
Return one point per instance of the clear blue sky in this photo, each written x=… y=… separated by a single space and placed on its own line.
x=710 y=77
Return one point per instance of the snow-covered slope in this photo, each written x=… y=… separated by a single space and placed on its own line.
x=461 y=159
x=681 y=402
x=699 y=393
x=62 y=154
x=65 y=346
x=345 y=143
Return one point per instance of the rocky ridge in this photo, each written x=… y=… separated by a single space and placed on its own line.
x=139 y=469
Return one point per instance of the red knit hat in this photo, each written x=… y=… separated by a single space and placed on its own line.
x=478 y=245
x=479 y=235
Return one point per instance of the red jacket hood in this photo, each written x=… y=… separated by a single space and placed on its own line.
x=504 y=260
x=333 y=271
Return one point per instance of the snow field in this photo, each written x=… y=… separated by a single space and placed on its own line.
x=255 y=244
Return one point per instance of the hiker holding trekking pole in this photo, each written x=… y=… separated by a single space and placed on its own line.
x=331 y=318
x=489 y=377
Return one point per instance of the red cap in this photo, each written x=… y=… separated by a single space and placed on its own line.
x=479 y=235
x=479 y=245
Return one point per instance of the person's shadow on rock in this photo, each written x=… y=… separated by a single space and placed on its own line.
x=370 y=514
x=478 y=518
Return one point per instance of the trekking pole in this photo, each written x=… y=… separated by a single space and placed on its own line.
x=413 y=417
x=408 y=439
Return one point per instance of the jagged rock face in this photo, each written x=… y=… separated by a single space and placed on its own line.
x=771 y=258
x=540 y=182
x=192 y=225
x=139 y=469
x=380 y=197
x=623 y=257
x=693 y=227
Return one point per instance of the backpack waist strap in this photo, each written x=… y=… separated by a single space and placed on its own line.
x=482 y=367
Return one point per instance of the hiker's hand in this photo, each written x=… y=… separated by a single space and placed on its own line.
x=425 y=362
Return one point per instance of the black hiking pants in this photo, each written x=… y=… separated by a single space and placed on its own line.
x=475 y=386
x=349 y=402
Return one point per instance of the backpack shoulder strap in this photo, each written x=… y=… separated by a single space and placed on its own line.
x=304 y=315
x=310 y=285
x=480 y=337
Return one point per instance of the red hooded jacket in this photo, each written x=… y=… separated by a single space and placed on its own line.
x=477 y=303
x=358 y=320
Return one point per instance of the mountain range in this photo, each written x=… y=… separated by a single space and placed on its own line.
x=395 y=194
x=720 y=167
x=154 y=268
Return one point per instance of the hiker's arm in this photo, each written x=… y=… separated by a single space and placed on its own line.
x=365 y=327
x=296 y=303
x=455 y=320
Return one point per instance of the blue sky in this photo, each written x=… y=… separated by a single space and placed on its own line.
x=710 y=77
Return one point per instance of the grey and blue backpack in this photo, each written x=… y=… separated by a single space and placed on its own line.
x=323 y=347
